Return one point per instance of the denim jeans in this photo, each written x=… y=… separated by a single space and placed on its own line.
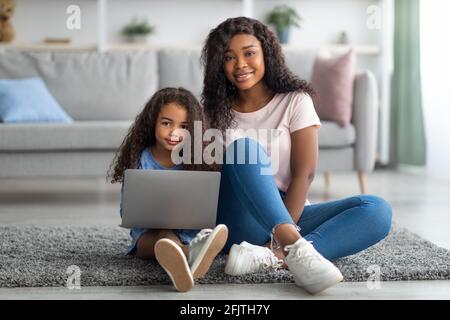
x=251 y=205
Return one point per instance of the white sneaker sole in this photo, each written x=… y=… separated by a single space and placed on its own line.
x=327 y=281
x=214 y=244
x=174 y=262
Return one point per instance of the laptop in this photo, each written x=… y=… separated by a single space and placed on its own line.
x=170 y=199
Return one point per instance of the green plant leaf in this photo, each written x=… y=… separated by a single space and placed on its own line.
x=138 y=27
x=283 y=17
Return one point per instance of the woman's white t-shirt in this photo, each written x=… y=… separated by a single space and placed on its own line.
x=273 y=125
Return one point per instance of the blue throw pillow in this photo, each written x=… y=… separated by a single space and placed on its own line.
x=28 y=100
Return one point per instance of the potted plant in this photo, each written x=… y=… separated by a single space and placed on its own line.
x=283 y=18
x=137 y=31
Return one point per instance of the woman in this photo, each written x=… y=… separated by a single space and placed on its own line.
x=247 y=85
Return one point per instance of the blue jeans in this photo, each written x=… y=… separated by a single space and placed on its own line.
x=251 y=205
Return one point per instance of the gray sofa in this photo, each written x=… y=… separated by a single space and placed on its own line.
x=103 y=92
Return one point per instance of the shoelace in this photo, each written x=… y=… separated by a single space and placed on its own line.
x=302 y=253
x=268 y=260
x=272 y=242
x=201 y=235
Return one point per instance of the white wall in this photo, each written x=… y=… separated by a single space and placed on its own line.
x=323 y=20
x=189 y=21
x=36 y=20
x=436 y=85
x=178 y=22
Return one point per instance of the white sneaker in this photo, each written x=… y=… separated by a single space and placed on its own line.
x=205 y=247
x=248 y=258
x=311 y=270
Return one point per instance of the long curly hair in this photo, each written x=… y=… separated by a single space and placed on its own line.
x=218 y=92
x=141 y=134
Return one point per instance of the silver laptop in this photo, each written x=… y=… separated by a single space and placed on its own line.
x=170 y=199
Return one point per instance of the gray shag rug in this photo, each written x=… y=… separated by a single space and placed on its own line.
x=34 y=256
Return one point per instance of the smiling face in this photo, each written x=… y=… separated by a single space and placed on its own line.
x=244 y=61
x=171 y=119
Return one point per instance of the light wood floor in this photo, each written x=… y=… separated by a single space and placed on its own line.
x=419 y=203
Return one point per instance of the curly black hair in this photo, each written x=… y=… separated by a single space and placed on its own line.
x=141 y=134
x=218 y=92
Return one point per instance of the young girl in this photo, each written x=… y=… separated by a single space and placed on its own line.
x=157 y=130
x=247 y=85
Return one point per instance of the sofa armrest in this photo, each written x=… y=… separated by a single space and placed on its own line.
x=365 y=120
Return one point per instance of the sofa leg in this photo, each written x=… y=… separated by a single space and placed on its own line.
x=327 y=180
x=362 y=182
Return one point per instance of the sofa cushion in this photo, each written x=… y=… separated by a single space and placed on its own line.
x=106 y=135
x=14 y=65
x=28 y=100
x=81 y=135
x=181 y=67
x=332 y=135
x=333 y=79
x=90 y=85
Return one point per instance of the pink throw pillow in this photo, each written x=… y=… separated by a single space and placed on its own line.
x=333 y=81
